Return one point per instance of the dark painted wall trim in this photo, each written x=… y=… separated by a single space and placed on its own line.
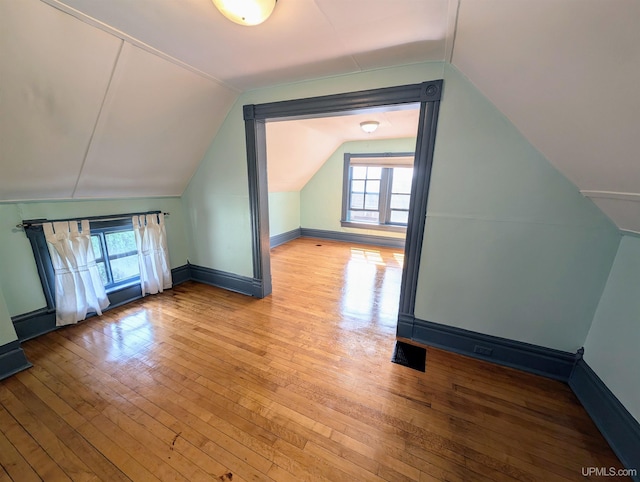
x=282 y=238
x=256 y=144
x=36 y=237
x=405 y=325
x=427 y=94
x=181 y=274
x=39 y=322
x=352 y=237
x=515 y=354
x=35 y=323
x=422 y=166
x=617 y=425
x=351 y=101
x=124 y=296
x=228 y=281
x=12 y=359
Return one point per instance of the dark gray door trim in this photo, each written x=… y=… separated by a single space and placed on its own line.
x=427 y=94
x=256 y=140
x=349 y=102
x=423 y=163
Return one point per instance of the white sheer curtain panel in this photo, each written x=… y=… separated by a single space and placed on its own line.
x=153 y=255
x=79 y=288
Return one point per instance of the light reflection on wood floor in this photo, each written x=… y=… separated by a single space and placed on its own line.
x=200 y=383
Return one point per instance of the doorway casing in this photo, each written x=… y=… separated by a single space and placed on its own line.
x=427 y=94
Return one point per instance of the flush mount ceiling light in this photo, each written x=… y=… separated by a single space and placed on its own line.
x=246 y=12
x=369 y=126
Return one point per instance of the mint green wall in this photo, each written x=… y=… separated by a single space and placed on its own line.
x=284 y=212
x=217 y=198
x=319 y=204
x=321 y=197
x=7 y=333
x=614 y=338
x=18 y=275
x=511 y=247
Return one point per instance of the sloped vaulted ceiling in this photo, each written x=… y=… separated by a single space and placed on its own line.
x=121 y=98
x=302 y=39
x=51 y=92
x=566 y=73
x=156 y=123
x=85 y=114
x=292 y=164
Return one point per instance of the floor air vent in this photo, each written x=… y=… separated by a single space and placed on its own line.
x=410 y=356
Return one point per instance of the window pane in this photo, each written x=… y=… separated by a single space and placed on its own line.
x=400 y=201
x=359 y=172
x=357 y=186
x=371 y=201
x=367 y=191
x=399 y=217
x=363 y=216
x=123 y=268
x=357 y=201
x=102 y=270
x=374 y=172
x=402 y=180
x=97 y=248
x=373 y=187
x=120 y=242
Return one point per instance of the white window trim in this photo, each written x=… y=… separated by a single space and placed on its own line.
x=385 y=160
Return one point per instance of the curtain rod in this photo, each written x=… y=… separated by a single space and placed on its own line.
x=40 y=222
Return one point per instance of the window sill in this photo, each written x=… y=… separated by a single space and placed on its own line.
x=123 y=285
x=378 y=227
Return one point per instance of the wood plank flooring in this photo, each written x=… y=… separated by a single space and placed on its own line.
x=199 y=383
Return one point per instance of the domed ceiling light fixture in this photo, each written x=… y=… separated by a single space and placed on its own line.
x=369 y=126
x=246 y=12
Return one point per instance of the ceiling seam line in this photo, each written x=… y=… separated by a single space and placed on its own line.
x=356 y=62
x=455 y=32
x=335 y=31
x=98 y=117
x=135 y=42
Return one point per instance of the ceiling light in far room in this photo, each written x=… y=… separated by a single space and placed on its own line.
x=369 y=126
x=246 y=12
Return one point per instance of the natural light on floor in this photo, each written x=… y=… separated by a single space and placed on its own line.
x=399 y=258
x=372 y=284
x=371 y=256
x=367 y=255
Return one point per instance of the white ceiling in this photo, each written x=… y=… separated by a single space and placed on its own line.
x=134 y=128
x=121 y=98
x=84 y=114
x=95 y=94
x=302 y=39
x=296 y=149
x=566 y=73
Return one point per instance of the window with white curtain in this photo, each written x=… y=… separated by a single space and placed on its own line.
x=116 y=257
x=78 y=287
x=153 y=254
x=116 y=254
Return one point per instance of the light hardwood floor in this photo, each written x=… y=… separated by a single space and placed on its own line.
x=203 y=384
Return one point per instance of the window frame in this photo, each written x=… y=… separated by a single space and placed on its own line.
x=118 y=295
x=101 y=229
x=384 y=200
